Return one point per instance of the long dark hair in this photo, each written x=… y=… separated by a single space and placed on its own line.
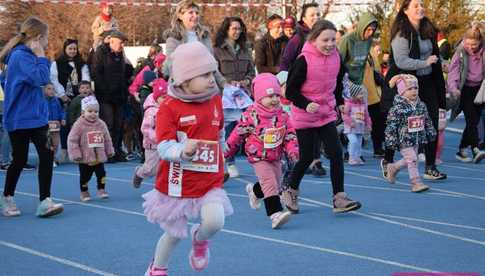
x=63 y=57
x=224 y=28
x=403 y=26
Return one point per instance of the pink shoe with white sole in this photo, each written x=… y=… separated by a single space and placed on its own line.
x=199 y=254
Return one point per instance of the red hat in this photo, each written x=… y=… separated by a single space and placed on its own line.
x=289 y=22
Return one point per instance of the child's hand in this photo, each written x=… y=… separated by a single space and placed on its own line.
x=111 y=155
x=78 y=159
x=312 y=107
x=190 y=148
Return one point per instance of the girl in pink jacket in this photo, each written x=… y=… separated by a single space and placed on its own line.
x=268 y=134
x=150 y=166
x=89 y=144
x=315 y=87
x=356 y=123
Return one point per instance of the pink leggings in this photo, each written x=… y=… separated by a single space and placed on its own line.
x=410 y=159
x=269 y=176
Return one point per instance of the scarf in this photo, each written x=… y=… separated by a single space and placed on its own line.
x=178 y=93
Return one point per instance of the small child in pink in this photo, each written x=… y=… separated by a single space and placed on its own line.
x=268 y=133
x=89 y=144
x=150 y=166
x=356 y=122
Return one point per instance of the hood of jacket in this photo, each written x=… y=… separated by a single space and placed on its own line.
x=364 y=21
x=150 y=102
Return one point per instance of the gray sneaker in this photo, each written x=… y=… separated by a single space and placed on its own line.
x=9 y=208
x=290 y=199
x=343 y=204
x=136 y=179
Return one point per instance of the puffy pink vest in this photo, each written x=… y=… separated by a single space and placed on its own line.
x=321 y=80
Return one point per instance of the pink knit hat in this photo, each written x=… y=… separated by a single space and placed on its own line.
x=403 y=82
x=265 y=84
x=190 y=60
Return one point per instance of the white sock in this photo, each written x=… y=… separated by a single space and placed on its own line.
x=166 y=244
x=212 y=215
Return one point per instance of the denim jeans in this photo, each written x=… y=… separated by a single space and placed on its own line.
x=6 y=147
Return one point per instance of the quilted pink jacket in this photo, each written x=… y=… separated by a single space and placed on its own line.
x=89 y=141
x=149 y=121
x=268 y=135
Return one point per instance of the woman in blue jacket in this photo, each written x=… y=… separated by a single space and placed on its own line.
x=26 y=113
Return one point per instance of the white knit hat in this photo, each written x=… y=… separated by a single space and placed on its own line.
x=89 y=101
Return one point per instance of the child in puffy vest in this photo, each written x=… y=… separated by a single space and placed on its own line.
x=268 y=133
x=356 y=123
x=189 y=185
x=89 y=144
x=150 y=166
x=408 y=127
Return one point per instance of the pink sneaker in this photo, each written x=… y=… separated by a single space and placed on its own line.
x=199 y=254
x=156 y=271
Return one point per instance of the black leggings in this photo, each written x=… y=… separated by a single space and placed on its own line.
x=333 y=148
x=378 y=123
x=472 y=114
x=86 y=171
x=20 y=140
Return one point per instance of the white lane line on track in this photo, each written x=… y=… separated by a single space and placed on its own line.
x=258 y=237
x=55 y=259
x=451 y=236
x=375 y=188
x=431 y=221
x=474 y=169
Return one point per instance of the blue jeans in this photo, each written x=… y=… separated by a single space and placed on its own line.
x=355 y=145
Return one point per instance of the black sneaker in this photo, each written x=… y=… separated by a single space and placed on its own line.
x=432 y=173
x=384 y=168
x=29 y=167
x=111 y=160
x=362 y=158
x=478 y=155
x=120 y=158
x=318 y=170
x=346 y=157
x=379 y=153
x=463 y=156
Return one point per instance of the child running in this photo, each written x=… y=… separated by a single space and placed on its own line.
x=150 y=166
x=190 y=134
x=408 y=127
x=356 y=122
x=268 y=134
x=315 y=89
x=90 y=145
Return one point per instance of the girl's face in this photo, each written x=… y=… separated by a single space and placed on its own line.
x=200 y=84
x=91 y=113
x=411 y=94
x=271 y=102
x=71 y=50
x=49 y=90
x=311 y=16
x=275 y=28
x=326 y=41
x=415 y=11
x=471 y=45
x=84 y=90
x=234 y=31
x=190 y=18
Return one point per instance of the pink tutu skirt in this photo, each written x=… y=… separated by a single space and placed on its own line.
x=172 y=213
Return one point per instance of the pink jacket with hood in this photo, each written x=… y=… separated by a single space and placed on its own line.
x=138 y=81
x=268 y=132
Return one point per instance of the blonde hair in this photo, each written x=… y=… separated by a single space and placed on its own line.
x=31 y=28
x=177 y=29
x=473 y=33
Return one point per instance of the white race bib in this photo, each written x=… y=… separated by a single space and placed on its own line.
x=205 y=159
x=273 y=137
x=415 y=124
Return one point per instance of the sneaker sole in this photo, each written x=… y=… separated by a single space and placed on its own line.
x=430 y=177
x=347 y=209
x=423 y=189
x=293 y=211
x=249 y=190
x=11 y=215
x=53 y=212
x=464 y=160
x=284 y=220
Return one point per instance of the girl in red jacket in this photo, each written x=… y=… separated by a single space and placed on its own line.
x=268 y=134
x=190 y=133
